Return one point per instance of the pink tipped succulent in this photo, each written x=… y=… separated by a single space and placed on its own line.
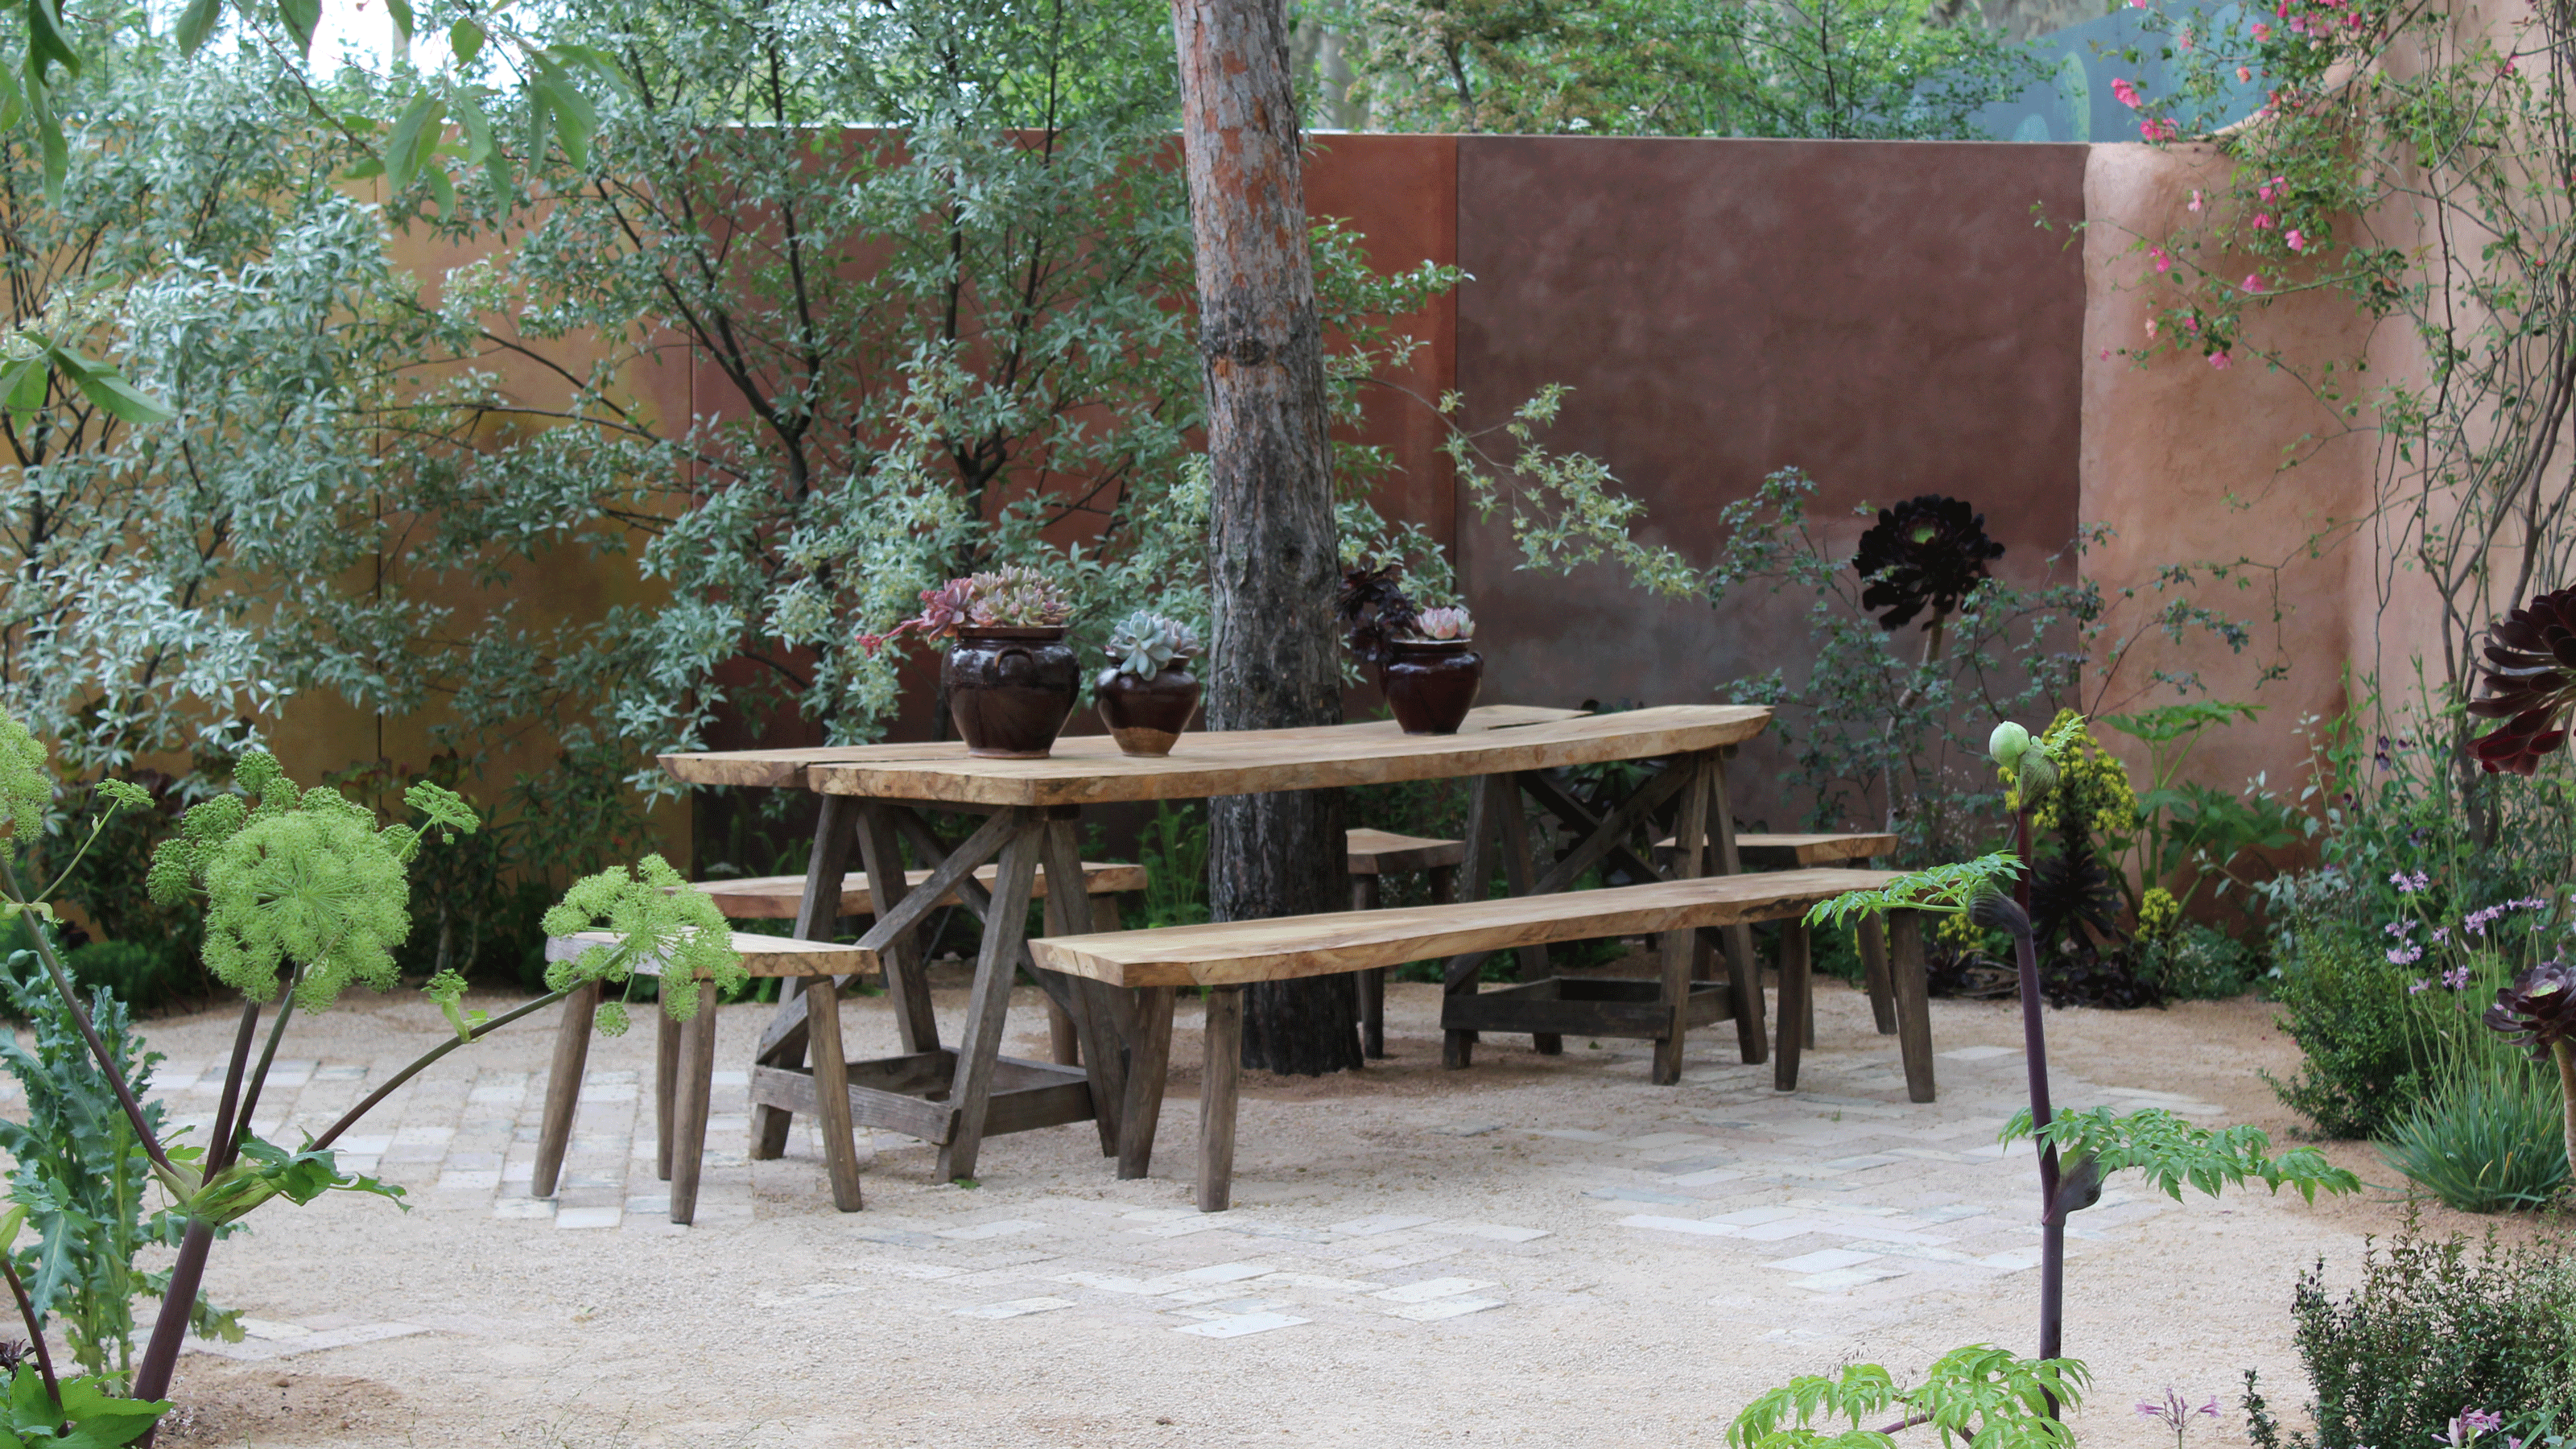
x=2530 y=684
x=1445 y=623
x=1015 y=597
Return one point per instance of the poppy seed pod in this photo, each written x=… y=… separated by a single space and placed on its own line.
x=2007 y=744
x=2036 y=777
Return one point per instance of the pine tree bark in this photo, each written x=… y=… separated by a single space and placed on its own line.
x=1273 y=555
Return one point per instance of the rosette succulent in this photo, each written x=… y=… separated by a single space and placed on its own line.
x=2537 y=1012
x=1443 y=624
x=1017 y=597
x=2530 y=684
x=1928 y=552
x=1145 y=644
x=1375 y=612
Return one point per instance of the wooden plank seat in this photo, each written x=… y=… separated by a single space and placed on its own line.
x=1853 y=848
x=1376 y=853
x=684 y=1063
x=1227 y=956
x=777 y=897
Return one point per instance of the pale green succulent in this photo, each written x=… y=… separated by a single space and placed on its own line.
x=1146 y=643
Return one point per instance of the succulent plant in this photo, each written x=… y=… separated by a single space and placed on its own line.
x=1444 y=623
x=1145 y=644
x=1375 y=611
x=1017 y=597
x=1928 y=552
x=2537 y=1011
x=2530 y=682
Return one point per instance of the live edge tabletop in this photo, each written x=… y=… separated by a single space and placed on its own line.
x=1089 y=769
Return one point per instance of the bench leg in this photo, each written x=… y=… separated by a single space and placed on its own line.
x=1690 y=829
x=1372 y=984
x=818 y=914
x=1100 y=1018
x=666 y=1085
x=1220 y=1082
x=1064 y=1045
x=1873 y=961
x=1149 y=1068
x=563 y=1086
x=1519 y=875
x=1489 y=798
x=1913 y=1003
x=832 y=1091
x=1796 y=989
x=697 y=1084
x=979 y=1046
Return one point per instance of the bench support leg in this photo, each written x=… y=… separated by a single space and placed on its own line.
x=1487 y=799
x=907 y=979
x=1064 y=1044
x=1372 y=984
x=1796 y=989
x=1518 y=876
x=832 y=1091
x=1149 y=1067
x=697 y=1084
x=1690 y=828
x=1220 y=1082
x=563 y=1086
x=1744 y=970
x=835 y=821
x=1913 y=1004
x=1099 y=1018
x=1873 y=961
x=666 y=1085
x=979 y=1047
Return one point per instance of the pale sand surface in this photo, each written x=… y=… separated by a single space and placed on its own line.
x=1538 y=1250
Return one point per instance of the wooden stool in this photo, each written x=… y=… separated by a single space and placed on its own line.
x=1851 y=849
x=684 y=1059
x=778 y=897
x=1375 y=853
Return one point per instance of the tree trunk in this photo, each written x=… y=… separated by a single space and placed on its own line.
x=1273 y=555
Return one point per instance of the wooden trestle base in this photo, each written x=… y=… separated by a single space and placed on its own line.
x=910 y=1094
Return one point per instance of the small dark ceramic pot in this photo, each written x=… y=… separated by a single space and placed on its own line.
x=1147 y=715
x=1009 y=690
x=1432 y=684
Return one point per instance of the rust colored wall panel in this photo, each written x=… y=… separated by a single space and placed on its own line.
x=1401 y=194
x=1882 y=315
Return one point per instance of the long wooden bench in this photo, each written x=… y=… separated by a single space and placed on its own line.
x=1854 y=848
x=1229 y=956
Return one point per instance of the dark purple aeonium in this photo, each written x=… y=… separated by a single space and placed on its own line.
x=2538 y=1013
x=2530 y=684
x=1928 y=552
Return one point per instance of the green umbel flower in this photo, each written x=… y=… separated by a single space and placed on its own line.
x=655 y=918
x=26 y=781
x=320 y=888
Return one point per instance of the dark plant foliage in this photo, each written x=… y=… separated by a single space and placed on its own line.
x=2530 y=684
x=1374 y=608
x=1965 y=973
x=2089 y=975
x=1928 y=552
x=2434 y=1329
x=2538 y=1010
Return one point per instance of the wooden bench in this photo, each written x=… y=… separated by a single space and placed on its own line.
x=1372 y=854
x=684 y=1064
x=1226 y=957
x=780 y=897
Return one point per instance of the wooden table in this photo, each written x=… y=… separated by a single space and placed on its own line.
x=873 y=795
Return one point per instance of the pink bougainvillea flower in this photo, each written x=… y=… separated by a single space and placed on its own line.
x=2508 y=66
x=2193 y=322
x=2159 y=130
x=2244 y=73
x=2221 y=361
x=2195 y=199
x=2127 y=92
x=2263 y=192
x=2164 y=263
x=2262 y=32
x=2530 y=684
x=2262 y=221
x=2183 y=40
x=2253 y=282
x=2106 y=354
x=2151 y=327
x=2298 y=240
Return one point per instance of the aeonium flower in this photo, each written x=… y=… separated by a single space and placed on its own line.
x=1927 y=552
x=2537 y=1010
x=2530 y=683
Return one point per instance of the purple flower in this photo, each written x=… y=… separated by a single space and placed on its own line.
x=2408 y=885
x=2457 y=978
x=2485 y=1421
x=2406 y=955
x=2440 y=934
x=2419 y=988
x=2399 y=928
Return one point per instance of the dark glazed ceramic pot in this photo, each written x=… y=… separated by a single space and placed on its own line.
x=1432 y=684
x=1147 y=715
x=1009 y=690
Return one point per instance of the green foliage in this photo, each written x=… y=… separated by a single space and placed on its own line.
x=1979 y=1393
x=2433 y=1329
x=79 y=1174
x=655 y=918
x=1887 y=69
x=1942 y=889
x=263 y=1170
x=2173 y=1153
x=93 y=1414
x=2485 y=1142
x=2194 y=962
x=1174 y=849
x=2345 y=1005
